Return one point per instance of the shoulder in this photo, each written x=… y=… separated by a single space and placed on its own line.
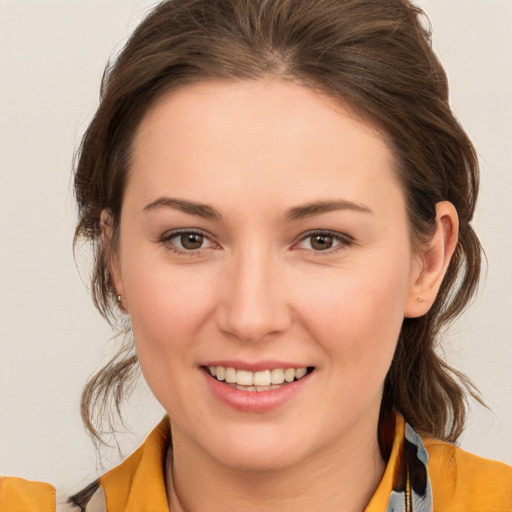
x=18 y=494
x=463 y=482
x=139 y=477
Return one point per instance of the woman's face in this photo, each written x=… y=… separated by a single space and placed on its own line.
x=263 y=229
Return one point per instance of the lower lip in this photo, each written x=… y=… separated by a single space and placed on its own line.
x=255 y=401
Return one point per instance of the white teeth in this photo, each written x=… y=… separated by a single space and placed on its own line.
x=244 y=378
x=231 y=375
x=261 y=378
x=255 y=388
x=221 y=373
x=257 y=381
x=289 y=374
x=277 y=376
x=300 y=372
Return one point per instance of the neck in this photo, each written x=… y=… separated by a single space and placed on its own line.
x=343 y=477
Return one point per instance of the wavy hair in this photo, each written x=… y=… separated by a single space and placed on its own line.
x=374 y=56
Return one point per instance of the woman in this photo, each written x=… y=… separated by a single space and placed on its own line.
x=279 y=199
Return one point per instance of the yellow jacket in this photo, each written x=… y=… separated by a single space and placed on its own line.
x=450 y=480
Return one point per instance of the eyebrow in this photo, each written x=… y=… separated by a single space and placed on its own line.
x=296 y=213
x=198 y=209
x=319 y=207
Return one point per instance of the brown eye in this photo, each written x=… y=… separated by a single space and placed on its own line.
x=188 y=242
x=321 y=242
x=324 y=241
x=191 y=241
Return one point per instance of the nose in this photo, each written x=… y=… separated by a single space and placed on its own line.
x=253 y=305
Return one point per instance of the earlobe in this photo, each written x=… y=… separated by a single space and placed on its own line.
x=112 y=259
x=432 y=263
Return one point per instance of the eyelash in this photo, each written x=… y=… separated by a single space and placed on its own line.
x=343 y=241
x=168 y=237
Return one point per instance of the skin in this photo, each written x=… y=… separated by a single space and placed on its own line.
x=257 y=288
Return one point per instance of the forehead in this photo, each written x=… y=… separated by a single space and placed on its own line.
x=242 y=140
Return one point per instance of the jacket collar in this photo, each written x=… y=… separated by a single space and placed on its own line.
x=138 y=484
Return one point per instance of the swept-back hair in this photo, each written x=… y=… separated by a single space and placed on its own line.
x=372 y=56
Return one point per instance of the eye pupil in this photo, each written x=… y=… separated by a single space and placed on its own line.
x=191 y=241
x=321 y=242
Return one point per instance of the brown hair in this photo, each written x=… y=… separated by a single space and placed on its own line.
x=374 y=56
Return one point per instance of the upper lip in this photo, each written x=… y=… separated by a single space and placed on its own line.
x=255 y=366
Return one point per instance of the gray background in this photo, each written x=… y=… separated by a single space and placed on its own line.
x=51 y=339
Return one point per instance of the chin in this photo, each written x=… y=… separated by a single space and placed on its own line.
x=260 y=449
x=258 y=460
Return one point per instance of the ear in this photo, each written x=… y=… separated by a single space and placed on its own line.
x=112 y=258
x=430 y=265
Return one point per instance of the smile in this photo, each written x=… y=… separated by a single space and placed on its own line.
x=264 y=380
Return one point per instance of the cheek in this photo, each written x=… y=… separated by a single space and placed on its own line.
x=169 y=307
x=357 y=315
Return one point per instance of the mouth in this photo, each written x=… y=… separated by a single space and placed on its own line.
x=264 y=380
